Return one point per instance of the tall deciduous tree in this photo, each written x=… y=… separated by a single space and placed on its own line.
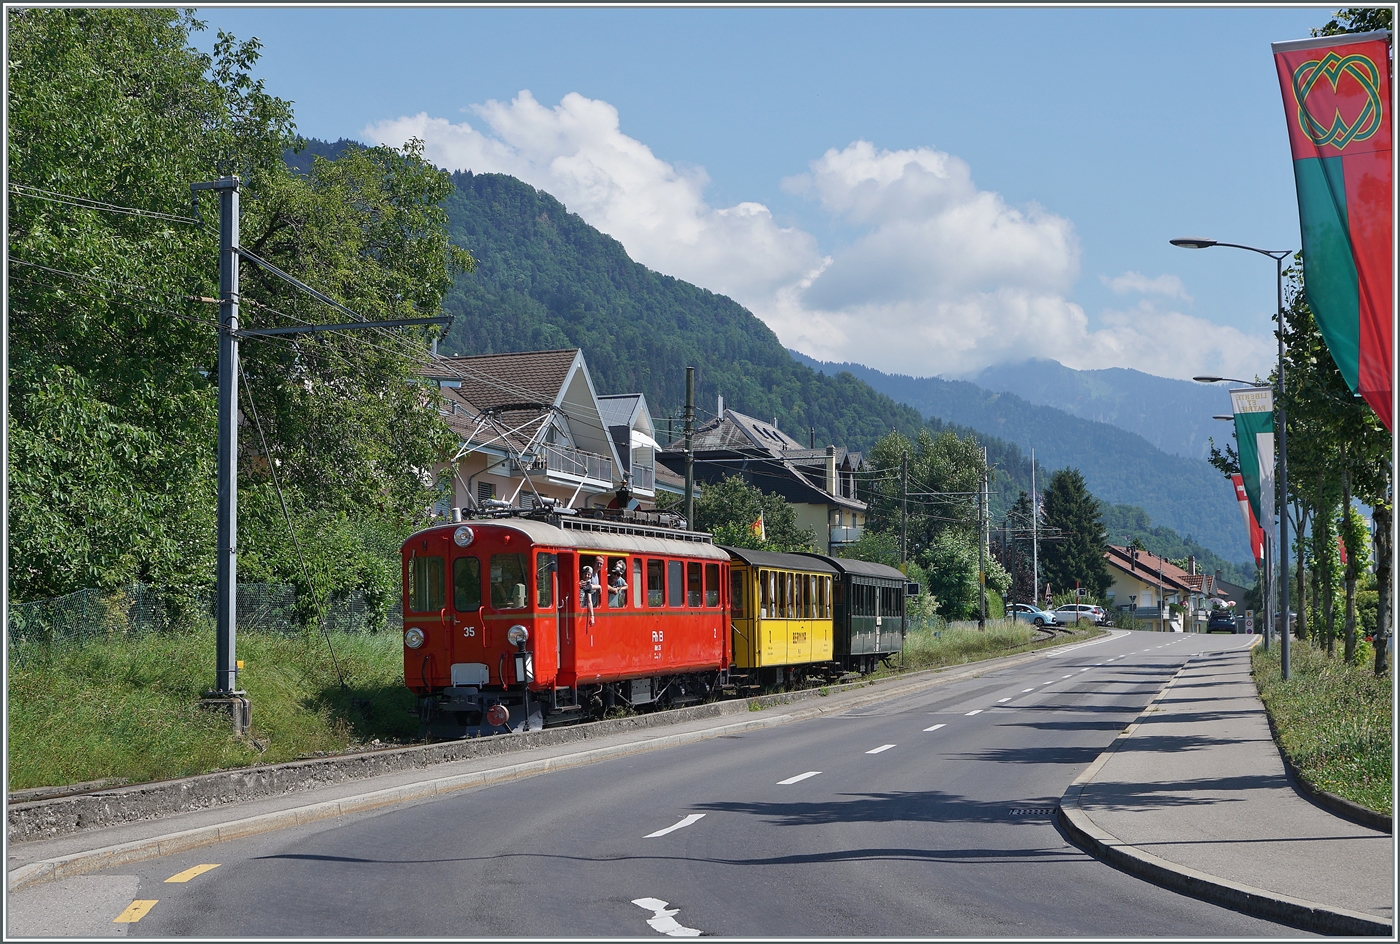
x=1078 y=557
x=730 y=508
x=112 y=422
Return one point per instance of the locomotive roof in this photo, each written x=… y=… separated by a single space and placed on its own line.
x=861 y=568
x=589 y=536
x=788 y=561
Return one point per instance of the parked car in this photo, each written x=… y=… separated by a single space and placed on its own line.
x=1032 y=614
x=1074 y=612
x=1221 y=621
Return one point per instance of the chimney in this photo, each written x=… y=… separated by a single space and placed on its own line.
x=831 y=470
x=1192 y=561
x=719 y=411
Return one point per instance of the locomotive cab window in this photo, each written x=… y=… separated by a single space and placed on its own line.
x=545 y=567
x=656 y=583
x=466 y=584
x=508 y=581
x=427 y=592
x=694 y=591
x=615 y=581
x=712 y=584
x=675 y=579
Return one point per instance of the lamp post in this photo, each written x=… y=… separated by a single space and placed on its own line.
x=1278 y=255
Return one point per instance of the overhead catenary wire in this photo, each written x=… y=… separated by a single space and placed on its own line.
x=86 y=203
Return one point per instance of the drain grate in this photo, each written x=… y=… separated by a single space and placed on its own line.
x=1032 y=810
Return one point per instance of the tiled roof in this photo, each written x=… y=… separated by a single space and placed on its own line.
x=493 y=380
x=1146 y=567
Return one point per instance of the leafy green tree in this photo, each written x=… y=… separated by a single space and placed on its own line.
x=1079 y=554
x=729 y=508
x=112 y=399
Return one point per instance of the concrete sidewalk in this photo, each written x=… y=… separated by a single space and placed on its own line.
x=1194 y=796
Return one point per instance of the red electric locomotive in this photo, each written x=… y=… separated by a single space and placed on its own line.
x=523 y=620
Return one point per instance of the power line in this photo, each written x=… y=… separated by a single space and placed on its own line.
x=54 y=196
x=130 y=288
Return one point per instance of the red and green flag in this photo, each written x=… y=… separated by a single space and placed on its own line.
x=1337 y=98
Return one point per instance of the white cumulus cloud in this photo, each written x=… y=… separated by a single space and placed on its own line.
x=1135 y=283
x=942 y=278
x=576 y=152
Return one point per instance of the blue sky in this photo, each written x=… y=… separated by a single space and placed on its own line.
x=927 y=191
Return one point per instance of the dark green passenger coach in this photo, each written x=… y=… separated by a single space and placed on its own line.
x=869 y=613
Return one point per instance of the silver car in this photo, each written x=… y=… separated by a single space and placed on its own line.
x=1073 y=612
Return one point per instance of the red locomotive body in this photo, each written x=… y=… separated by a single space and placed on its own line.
x=518 y=622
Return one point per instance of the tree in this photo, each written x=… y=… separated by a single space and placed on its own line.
x=729 y=509
x=113 y=345
x=1078 y=557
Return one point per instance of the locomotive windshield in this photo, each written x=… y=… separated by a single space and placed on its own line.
x=508 y=581
x=427 y=592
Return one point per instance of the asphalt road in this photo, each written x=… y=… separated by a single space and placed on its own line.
x=928 y=816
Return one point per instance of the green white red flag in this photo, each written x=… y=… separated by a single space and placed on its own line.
x=1337 y=99
x=1254 y=439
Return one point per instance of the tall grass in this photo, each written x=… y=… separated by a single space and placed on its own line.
x=128 y=707
x=938 y=644
x=1333 y=720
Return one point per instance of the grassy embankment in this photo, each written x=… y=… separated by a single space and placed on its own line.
x=127 y=708
x=1333 y=721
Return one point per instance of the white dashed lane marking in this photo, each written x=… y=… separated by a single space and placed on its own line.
x=881 y=749
x=934 y=728
x=1024 y=690
x=692 y=818
x=1002 y=701
x=810 y=773
x=975 y=711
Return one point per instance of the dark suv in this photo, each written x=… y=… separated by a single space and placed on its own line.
x=1221 y=621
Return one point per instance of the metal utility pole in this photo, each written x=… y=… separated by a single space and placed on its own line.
x=689 y=451
x=225 y=694
x=982 y=546
x=1035 y=537
x=904 y=507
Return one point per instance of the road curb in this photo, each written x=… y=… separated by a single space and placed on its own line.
x=1087 y=835
x=79 y=863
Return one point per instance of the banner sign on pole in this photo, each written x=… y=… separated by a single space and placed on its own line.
x=1251 y=523
x=1254 y=438
x=1336 y=97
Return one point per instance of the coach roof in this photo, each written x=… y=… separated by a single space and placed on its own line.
x=638 y=541
x=786 y=561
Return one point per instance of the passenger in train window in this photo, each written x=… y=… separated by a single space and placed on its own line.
x=588 y=591
x=617 y=584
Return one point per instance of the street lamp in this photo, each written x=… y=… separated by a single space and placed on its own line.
x=1278 y=255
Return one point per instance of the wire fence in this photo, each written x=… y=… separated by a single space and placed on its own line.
x=89 y=615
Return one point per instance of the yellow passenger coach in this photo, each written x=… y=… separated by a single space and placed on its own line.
x=781 y=609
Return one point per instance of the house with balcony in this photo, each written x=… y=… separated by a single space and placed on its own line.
x=531 y=426
x=1147 y=586
x=820 y=483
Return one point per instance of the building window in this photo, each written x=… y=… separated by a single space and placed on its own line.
x=485 y=491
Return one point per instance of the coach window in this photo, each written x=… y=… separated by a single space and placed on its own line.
x=736 y=592
x=508 y=581
x=782 y=604
x=616 y=582
x=466 y=585
x=765 y=593
x=826 y=598
x=693 y=590
x=545 y=566
x=637 y=583
x=712 y=584
x=426 y=590
x=675 y=580
x=656 y=583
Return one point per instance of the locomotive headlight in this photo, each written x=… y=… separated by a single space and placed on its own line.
x=463 y=536
x=517 y=635
x=414 y=637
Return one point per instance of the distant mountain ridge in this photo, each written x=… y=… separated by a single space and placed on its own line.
x=546 y=279
x=1187 y=495
x=1173 y=415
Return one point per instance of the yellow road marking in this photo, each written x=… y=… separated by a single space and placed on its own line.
x=188 y=874
x=135 y=911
